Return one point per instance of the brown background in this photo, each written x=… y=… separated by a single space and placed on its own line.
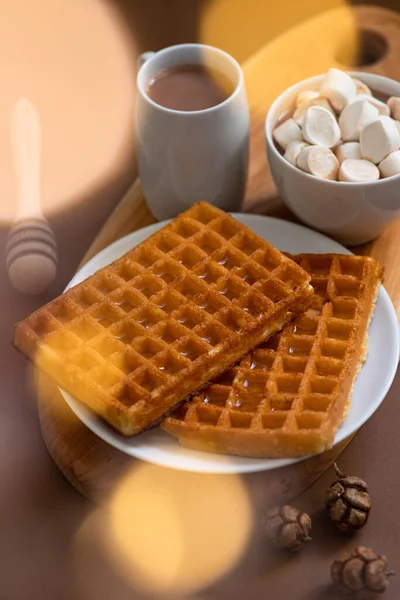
x=40 y=512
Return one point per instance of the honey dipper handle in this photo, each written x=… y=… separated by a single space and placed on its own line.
x=25 y=145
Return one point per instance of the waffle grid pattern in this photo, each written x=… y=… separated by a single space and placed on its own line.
x=145 y=332
x=287 y=397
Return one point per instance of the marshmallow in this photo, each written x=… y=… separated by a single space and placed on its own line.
x=362 y=87
x=320 y=127
x=353 y=119
x=379 y=138
x=301 y=110
x=318 y=161
x=339 y=88
x=394 y=107
x=302 y=159
x=287 y=114
x=397 y=123
x=293 y=150
x=383 y=108
x=287 y=132
x=357 y=171
x=390 y=165
x=305 y=96
x=348 y=150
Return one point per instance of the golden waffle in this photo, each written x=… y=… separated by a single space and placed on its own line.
x=288 y=397
x=145 y=332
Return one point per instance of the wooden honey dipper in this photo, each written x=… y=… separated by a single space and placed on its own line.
x=31 y=252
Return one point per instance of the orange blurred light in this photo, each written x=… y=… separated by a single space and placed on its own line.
x=76 y=63
x=242 y=28
x=167 y=531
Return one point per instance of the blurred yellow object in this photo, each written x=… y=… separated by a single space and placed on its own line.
x=176 y=531
x=168 y=531
x=76 y=61
x=309 y=49
x=242 y=28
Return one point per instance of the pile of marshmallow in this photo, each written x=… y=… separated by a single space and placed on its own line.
x=342 y=132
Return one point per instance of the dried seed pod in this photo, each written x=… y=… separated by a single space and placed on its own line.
x=287 y=527
x=361 y=572
x=348 y=502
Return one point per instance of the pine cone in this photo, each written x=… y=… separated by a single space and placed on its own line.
x=348 y=502
x=287 y=527
x=362 y=573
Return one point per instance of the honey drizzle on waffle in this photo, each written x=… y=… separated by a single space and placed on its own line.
x=287 y=397
x=148 y=330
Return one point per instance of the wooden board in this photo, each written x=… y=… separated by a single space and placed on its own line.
x=90 y=464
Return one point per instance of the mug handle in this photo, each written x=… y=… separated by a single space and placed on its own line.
x=143 y=58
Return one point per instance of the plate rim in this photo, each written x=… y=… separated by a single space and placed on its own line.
x=226 y=464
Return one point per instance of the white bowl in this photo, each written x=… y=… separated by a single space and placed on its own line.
x=352 y=213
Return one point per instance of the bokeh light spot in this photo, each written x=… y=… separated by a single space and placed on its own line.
x=166 y=531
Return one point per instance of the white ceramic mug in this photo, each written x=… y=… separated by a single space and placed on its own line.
x=187 y=156
x=352 y=213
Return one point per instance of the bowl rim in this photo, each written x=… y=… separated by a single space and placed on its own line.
x=365 y=77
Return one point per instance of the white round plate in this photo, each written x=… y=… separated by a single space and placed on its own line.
x=371 y=387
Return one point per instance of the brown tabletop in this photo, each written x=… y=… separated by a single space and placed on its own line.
x=40 y=512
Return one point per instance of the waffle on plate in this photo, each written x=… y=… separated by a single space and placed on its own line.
x=147 y=331
x=288 y=397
